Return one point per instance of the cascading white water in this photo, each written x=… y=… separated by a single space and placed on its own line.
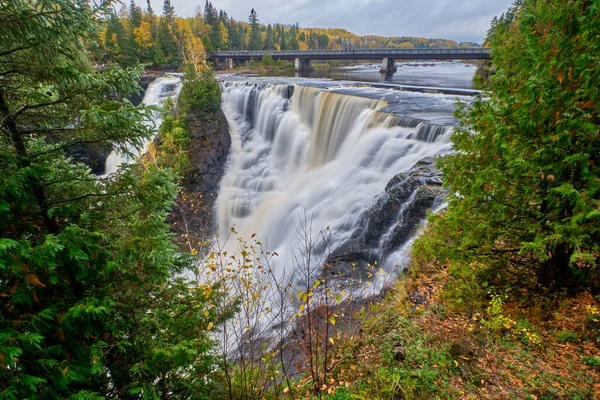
x=156 y=94
x=316 y=153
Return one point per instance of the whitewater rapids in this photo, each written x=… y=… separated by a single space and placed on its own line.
x=302 y=151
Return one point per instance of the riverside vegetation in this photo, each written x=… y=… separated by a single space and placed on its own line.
x=96 y=302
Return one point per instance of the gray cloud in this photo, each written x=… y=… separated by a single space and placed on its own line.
x=460 y=20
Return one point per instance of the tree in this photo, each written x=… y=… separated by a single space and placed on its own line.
x=223 y=36
x=119 y=45
x=149 y=7
x=169 y=12
x=255 y=42
x=524 y=181
x=235 y=35
x=192 y=48
x=206 y=42
x=167 y=35
x=135 y=15
x=270 y=41
x=93 y=298
x=293 y=42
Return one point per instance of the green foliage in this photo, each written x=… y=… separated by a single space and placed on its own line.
x=94 y=299
x=496 y=320
x=592 y=361
x=201 y=92
x=423 y=372
x=524 y=182
x=340 y=394
x=174 y=141
x=267 y=60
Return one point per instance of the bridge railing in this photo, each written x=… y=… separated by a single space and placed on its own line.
x=359 y=52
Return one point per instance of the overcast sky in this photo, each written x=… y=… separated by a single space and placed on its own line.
x=460 y=20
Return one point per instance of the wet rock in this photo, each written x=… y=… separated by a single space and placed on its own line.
x=399 y=353
x=390 y=222
x=92 y=155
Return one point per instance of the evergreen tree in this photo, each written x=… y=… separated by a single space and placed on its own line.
x=270 y=40
x=210 y=13
x=255 y=40
x=293 y=41
x=524 y=181
x=235 y=37
x=207 y=43
x=149 y=8
x=135 y=16
x=93 y=299
x=119 y=45
x=169 y=12
x=135 y=21
x=167 y=35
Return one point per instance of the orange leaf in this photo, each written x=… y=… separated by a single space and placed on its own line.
x=33 y=280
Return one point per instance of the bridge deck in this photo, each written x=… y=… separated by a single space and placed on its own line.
x=480 y=53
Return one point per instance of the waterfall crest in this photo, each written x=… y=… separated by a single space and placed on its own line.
x=299 y=150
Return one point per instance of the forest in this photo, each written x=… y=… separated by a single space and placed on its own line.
x=99 y=299
x=136 y=35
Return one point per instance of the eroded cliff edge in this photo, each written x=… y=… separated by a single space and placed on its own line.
x=192 y=216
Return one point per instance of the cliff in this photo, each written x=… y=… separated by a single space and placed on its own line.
x=192 y=217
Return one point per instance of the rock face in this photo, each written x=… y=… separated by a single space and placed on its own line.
x=210 y=143
x=94 y=156
x=391 y=221
x=208 y=153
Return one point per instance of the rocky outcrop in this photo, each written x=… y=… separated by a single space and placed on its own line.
x=391 y=221
x=92 y=155
x=192 y=218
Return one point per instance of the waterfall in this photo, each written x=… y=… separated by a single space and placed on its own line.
x=300 y=150
x=158 y=91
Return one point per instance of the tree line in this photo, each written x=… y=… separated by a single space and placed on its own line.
x=134 y=34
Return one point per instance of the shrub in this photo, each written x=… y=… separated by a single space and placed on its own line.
x=201 y=92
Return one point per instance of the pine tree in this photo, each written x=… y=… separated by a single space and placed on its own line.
x=255 y=41
x=169 y=12
x=293 y=42
x=93 y=299
x=149 y=8
x=270 y=40
x=135 y=16
x=166 y=35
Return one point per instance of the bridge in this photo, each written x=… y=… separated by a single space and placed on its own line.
x=303 y=59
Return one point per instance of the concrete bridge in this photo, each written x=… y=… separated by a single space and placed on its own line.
x=303 y=59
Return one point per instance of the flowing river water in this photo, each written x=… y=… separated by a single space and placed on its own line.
x=156 y=94
x=324 y=151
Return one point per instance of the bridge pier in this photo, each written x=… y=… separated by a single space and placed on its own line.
x=240 y=63
x=388 y=66
x=303 y=65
